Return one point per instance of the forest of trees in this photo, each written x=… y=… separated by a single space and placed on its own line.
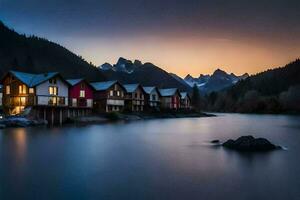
x=34 y=54
x=272 y=91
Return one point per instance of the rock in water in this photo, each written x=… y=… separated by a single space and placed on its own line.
x=249 y=143
x=215 y=141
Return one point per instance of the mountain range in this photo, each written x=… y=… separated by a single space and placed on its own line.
x=37 y=55
x=217 y=81
x=272 y=91
x=147 y=74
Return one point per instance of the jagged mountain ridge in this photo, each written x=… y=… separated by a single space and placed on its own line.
x=146 y=74
x=215 y=82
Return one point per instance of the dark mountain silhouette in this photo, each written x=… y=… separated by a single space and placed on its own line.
x=37 y=55
x=272 y=91
x=215 y=82
x=146 y=74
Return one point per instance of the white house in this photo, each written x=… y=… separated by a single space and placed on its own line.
x=21 y=90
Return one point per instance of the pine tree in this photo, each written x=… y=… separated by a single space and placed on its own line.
x=196 y=97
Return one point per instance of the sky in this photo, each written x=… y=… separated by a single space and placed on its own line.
x=181 y=36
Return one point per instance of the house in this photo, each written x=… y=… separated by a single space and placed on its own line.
x=135 y=97
x=152 y=99
x=108 y=96
x=21 y=90
x=80 y=93
x=80 y=97
x=185 y=101
x=170 y=98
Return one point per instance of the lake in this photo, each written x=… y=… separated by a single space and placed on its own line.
x=152 y=159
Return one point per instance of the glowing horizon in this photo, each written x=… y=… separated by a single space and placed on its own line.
x=186 y=37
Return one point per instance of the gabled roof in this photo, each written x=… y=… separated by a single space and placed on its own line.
x=131 y=87
x=73 y=82
x=98 y=86
x=148 y=90
x=32 y=80
x=184 y=94
x=168 y=92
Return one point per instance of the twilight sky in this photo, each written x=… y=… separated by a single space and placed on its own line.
x=181 y=36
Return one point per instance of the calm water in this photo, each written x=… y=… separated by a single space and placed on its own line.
x=155 y=159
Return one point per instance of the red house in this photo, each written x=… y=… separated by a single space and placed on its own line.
x=80 y=94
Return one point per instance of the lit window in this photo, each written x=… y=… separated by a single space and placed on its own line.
x=53 y=90
x=82 y=93
x=31 y=90
x=111 y=93
x=7 y=89
x=23 y=101
x=118 y=93
x=22 y=89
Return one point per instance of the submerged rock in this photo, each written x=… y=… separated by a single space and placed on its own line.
x=249 y=143
x=215 y=141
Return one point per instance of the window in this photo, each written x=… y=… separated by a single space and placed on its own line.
x=153 y=97
x=7 y=89
x=116 y=87
x=74 y=102
x=52 y=80
x=22 y=89
x=111 y=93
x=82 y=93
x=82 y=86
x=118 y=93
x=53 y=90
x=135 y=95
x=31 y=90
x=23 y=101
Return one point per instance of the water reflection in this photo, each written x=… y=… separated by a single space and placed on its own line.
x=155 y=159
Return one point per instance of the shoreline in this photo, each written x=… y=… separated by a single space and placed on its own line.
x=128 y=117
x=22 y=121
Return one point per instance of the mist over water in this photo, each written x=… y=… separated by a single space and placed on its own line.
x=154 y=159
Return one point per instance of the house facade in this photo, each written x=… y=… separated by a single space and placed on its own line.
x=170 y=98
x=135 y=97
x=80 y=94
x=152 y=98
x=185 y=101
x=109 y=96
x=21 y=90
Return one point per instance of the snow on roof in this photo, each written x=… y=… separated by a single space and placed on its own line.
x=74 y=81
x=102 y=85
x=131 y=87
x=168 y=92
x=32 y=80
